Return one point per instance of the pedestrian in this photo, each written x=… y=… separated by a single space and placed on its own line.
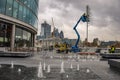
x=112 y=50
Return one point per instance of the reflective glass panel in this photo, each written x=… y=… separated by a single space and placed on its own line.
x=9 y=7
x=2 y=6
x=15 y=9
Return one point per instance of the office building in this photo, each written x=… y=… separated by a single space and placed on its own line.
x=18 y=23
x=45 y=30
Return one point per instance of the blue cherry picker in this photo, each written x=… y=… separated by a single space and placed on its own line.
x=83 y=18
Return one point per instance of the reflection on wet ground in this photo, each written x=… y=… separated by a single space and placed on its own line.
x=90 y=67
x=19 y=72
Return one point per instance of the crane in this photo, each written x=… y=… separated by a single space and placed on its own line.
x=84 y=18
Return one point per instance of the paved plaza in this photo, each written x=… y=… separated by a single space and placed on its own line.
x=97 y=69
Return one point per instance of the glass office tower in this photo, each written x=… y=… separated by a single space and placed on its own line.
x=18 y=23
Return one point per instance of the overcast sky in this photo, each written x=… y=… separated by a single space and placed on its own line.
x=104 y=17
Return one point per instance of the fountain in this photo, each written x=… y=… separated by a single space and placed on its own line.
x=71 y=57
x=87 y=71
x=51 y=57
x=88 y=56
x=40 y=71
x=19 y=70
x=48 y=69
x=78 y=57
x=75 y=56
x=71 y=66
x=67 y=76
x=12 y=64
x=93 y=57
x=60 y=57
x=62 y=68
x=44 y=66
x=78 y=67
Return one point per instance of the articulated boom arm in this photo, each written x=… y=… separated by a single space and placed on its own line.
x=75 y=47
x=77 y=32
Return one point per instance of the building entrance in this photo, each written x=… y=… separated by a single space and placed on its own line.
x=5 y=34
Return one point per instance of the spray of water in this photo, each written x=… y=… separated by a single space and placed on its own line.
x=0 y=66
x=19 y=70
x=40 y=71
x=71 y=66
x=87 y=71
x=44 y=66
x=48 y=69
x=78 y=67
x=62 y=68
x=12 y=64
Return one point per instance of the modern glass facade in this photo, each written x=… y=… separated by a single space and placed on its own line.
x=23 y=12
x=45 y=30
x=5 y=34
x=23 y=38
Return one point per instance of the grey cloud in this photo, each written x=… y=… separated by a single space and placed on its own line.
x=100 y=8
x=104 y=13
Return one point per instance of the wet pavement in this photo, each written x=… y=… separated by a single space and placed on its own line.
x=19 y=72
x=98 y=70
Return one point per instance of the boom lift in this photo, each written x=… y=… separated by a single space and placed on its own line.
x=84 y=18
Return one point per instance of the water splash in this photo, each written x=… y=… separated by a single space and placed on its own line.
x=0 y=66
x=40 y=71
x=88 y=71
x=78 y=67
x=44 y=66
x=70 y=57
x=60 y=57
x=62 y=68
x=67 y=76
x=78 y=57
x=19 y=70
x=51 y=57
x=93 y=57
x=71 y=66
x=12 y=64
x=48 y=69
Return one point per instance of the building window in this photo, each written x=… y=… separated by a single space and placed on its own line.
x=26 y=38
x=9 y=7
x=30 y=17
x=24 y=14
x=20 y=14
x=2 y=6
x=5 y=32
x=15 y=9
x=23 y=38
x=18 y=37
